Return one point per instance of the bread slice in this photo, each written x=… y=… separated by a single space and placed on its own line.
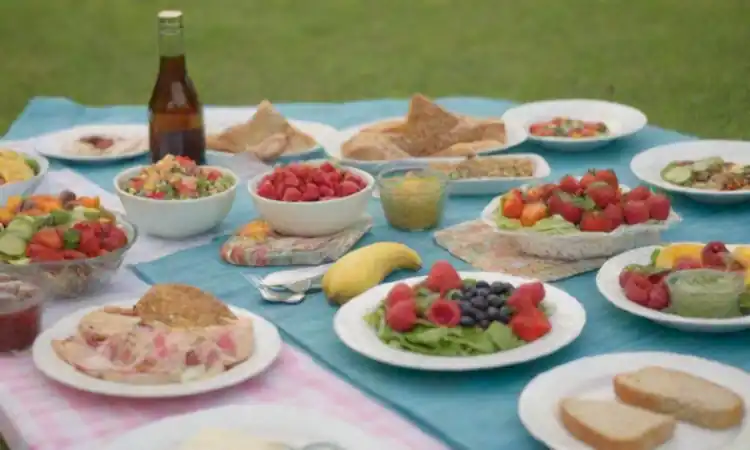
x=611 y=425
x=681 y=395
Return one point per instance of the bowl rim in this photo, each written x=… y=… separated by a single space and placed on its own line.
x=253 y=183
x=43 y=166
x=134 y=169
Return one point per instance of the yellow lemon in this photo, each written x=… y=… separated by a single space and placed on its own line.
x=670 y=254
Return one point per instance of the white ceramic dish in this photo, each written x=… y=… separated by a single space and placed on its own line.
x=289 y=425
x=53 y=145
x=568 y=319
x=267 y=349
x=490 y=185
x=583 y=245
x=592 y=378
x=647 y=166
x=515 y=135
x=218 y=119
x=607 y=280
x=311 y=219
x=21 y=188
x=621 y=120
x=175 y=219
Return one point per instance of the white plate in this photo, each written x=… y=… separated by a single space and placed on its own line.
x=219 y=119
x=53 y=145
x=567 y=320
x=607 y=280
x=515 y=135
x=647 y=166
x=621 y=120
x=291 y=426
x=267 y=348
x=592 y=378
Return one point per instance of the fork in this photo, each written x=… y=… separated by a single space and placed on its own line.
x=273 y=296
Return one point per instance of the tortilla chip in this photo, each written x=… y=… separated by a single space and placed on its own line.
x=372 y=146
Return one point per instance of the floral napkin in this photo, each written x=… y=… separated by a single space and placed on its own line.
x=476 y=243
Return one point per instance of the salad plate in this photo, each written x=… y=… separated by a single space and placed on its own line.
x=650 y=166
x=115 y=142
x=608 y=283
x=287 y=425
x=566 y=317
x=592 y=378
x=46 y=360
x=620 y=120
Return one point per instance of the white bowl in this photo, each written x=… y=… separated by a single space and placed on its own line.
x=647 y=166
x=332 y=143
x=622 y=121
x=311 y=219
x=24 y=187
x=175 y=219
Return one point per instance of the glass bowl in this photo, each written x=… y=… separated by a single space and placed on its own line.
x=412 y=196
x=76 y=278
x=21 y=304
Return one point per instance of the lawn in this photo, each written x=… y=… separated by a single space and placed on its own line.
x=684 y=62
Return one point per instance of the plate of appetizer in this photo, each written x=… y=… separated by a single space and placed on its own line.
x=576 y=125
x=95 y=143
x=262 y=131
x=427 y=131
x=640 y=400
x=593 y=216
x=706 y=171
x=20 y=172
x=174 y=341
x=245 y=427
x=459 y=321
x=688 y=286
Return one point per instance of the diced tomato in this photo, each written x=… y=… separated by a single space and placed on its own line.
x=73 y=254
x=43 y=254
x=157 y=195
x=213 y=175
x=48 y=237
x=530 y=325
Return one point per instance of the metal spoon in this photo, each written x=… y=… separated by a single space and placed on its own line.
x=274 y=296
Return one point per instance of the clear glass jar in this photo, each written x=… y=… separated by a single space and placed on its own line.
x=412 y=196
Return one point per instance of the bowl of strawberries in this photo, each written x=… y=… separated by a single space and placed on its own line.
x=315 y=198
x=592 y=216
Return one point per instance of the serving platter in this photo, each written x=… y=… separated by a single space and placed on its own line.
x=53 y=145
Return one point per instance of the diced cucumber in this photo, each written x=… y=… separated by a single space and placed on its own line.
x=21 y=228
x=12 y=244
x=678 y=175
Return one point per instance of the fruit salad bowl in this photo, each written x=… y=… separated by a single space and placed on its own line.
x=555 y=235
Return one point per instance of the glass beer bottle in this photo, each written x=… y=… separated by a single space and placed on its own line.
x=175 y=115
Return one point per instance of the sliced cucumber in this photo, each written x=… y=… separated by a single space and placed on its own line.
x=12 y=245
x=681 y=175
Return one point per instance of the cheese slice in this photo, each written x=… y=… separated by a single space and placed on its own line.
x=228 y=439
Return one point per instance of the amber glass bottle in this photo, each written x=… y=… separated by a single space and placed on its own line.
x=175 y=115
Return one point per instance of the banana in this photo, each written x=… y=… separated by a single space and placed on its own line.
x=365 y=268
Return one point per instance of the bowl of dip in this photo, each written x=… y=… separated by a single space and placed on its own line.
x=413 y=197
x=705 y=293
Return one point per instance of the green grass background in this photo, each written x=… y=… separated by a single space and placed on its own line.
x=686 y=63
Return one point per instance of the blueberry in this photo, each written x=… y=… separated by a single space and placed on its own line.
x=479 y=315
x=482 y=285
x=498 y=315
x=469 y=291
x=492 y=311
x=495 y=300
x=484 y=323
x=465 y=306
x=480 y=303
x=483 y=292
x=500 y=287
x=468 y=321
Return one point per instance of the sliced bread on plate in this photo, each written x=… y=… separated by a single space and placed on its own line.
x=611 y=425
x=681 y=395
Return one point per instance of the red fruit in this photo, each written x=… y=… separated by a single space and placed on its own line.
x=291 y=194
x=570 y=212
x=586 y=180
x=445 y=313
x=614 y=212
x=328 y=167
x=48 y=237
x=602 y=194
x=569 y=184
x=637 y=288
x=311 y=194
x=658 y=297
x=624 y=277
x=266 y=190
x=443 y=277
x=534 y=291
x=513 y=205
x=635 y=211
x=399 y=293
x=326 y=192
x=319 y=177
x=607 y=176
x=687 y=264
x=402 y=316
x=291 y=180
x=715 y=254
x=639 y=193
x=530 y=325
x=348 y=188
x=658 y=206
x=279 y=189
x=520 y=301
x=595 y=221
x=554 y=204
x=73 y=254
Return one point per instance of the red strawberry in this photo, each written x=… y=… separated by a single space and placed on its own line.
x=607 y=176
x=443 y=277
x=534 y=291
x=266 y=190
x=402 y=316
x=570 y=212
x=601 y=193
x=637 y=288
x=348 y=188
x=328 y=167
x=635 y=211
x=311 y=193
x=595 y=221
x=569 y=184
x=614 y=212
x=520 y=301
x=530 y=325
x=639 y=193
x=587 y=179
x=326 y=192
x=658 y=296
x=624 y=277
x=554 y=204
x=658 y=206
x=291 y=194
x=400 y=292
x=445 y=313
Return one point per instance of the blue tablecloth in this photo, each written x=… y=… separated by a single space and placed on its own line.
x=475 y=410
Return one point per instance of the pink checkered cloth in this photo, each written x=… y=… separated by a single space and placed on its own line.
x=45 y=415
